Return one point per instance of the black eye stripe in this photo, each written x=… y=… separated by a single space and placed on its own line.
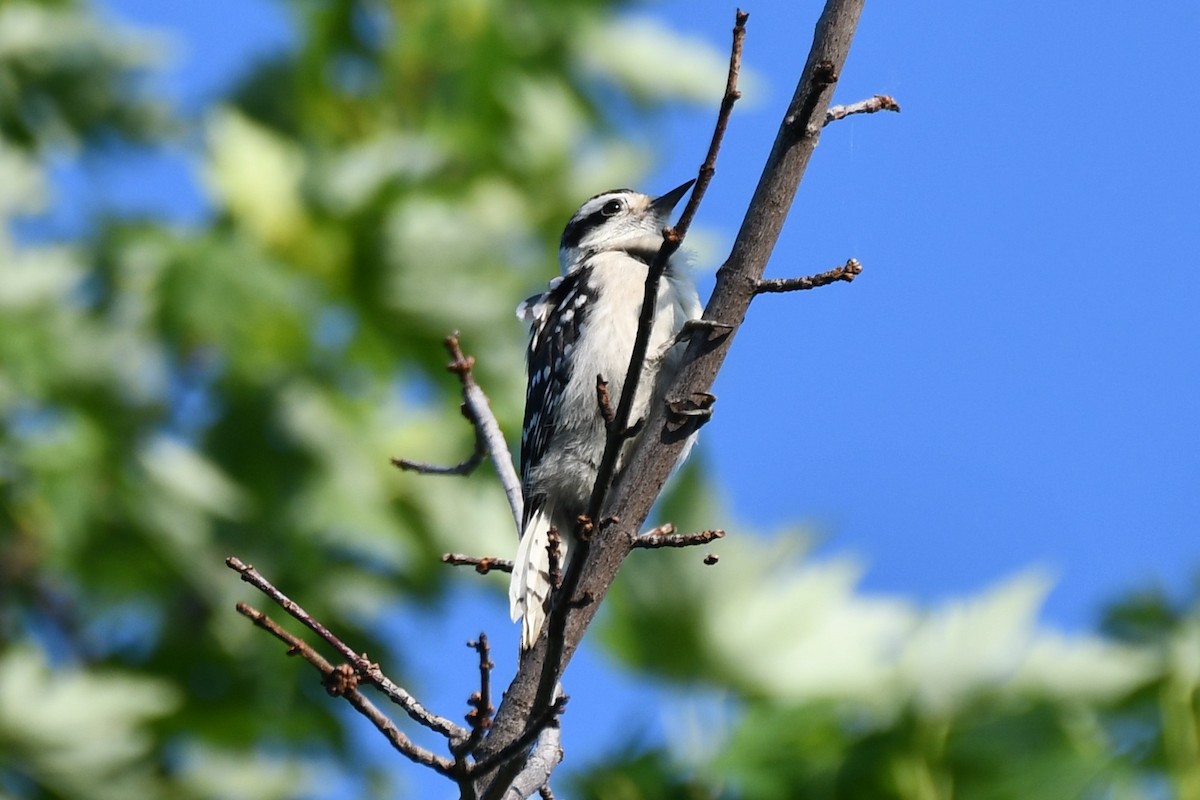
x=577 y=228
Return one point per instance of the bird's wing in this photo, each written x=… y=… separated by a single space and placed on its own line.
x=557 y=316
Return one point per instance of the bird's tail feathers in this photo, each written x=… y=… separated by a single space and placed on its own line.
x=530 y=585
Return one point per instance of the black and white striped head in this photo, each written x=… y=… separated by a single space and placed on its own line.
x=620 y=219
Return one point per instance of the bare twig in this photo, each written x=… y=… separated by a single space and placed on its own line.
x=880 y=102
x=489 y=439
x=847 y=272
x=363 y=665
x=668 y=538
x=480 y=715
x=595 y=565
x=620 y=430
x=461 y=468
x=483 y=565
x=336 y=683
x=672 y=239
x=545 y=792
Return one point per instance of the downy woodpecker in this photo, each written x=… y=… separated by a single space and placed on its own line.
x=584 y=326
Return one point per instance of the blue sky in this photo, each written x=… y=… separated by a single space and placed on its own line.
x=1014 y=380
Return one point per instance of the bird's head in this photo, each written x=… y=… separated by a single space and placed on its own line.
x=619 y=219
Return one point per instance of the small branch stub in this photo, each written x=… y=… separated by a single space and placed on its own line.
x=482 y=565
x=847 y=272
x=665 y=536
x=341 y=680
x=880 y=102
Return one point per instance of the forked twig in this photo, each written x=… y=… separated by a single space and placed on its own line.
x=362 y=665
x=489 y=439
x=480 y=715
x=337 y=685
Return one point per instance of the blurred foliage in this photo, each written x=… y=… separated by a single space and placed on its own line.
x=171 y=395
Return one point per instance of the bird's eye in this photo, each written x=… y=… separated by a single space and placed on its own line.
x=612 y=207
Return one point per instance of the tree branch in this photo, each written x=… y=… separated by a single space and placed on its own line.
x=482 y=565
x=515 y=757
x=480 y=715
x=880 y=102
x=665 y=536
x=847 y=272
x=672 y=239
x=629 y=502
x=341 y=682
x=362 y=665
x=547 y=719
x=544 y=756
x=489 y=439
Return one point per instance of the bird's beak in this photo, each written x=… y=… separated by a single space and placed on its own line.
x=663 y=205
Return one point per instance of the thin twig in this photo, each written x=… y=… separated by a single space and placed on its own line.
x=618 y=429
x=489 y=439
x=483 y=565
x=880 y=102
x=552 y=658
x=480 y=715
x=545 y=792
x=365 y=667
x=847 y=272
x=461 y=468
x=672 y=239
x=656 y=539
x=335 y=677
